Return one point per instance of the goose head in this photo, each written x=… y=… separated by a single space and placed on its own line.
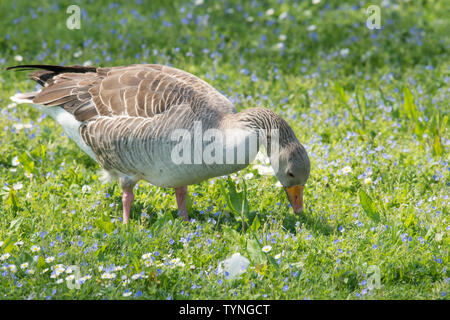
x=293 y=173
x=288 y=157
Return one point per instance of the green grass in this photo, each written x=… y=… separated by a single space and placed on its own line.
x=379 y=108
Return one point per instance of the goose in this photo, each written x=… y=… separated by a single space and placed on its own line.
x=126 y=118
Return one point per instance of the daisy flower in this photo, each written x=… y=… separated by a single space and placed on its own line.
x=70 y=278
x=18 y=186
x=147 y=263
x=146 y=256
x=4 y=256
x=15 y=161
x=347 y=169
x=24 y=265
x=12 y=268
x=35 y=249
x=266 y=249
x=248 y=176
x=127 y=293
x=108 y=275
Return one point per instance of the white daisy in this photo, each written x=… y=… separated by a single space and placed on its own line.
x=15 y=161
x=347 y=169
x=4 y=256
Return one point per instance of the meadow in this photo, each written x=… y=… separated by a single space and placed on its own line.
x=370 y=106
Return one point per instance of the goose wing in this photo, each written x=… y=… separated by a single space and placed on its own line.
x=135 y=91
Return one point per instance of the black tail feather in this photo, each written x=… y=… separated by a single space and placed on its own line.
x=54 y=68
x=47 y=72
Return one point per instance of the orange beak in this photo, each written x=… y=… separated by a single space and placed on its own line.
x=295 y=196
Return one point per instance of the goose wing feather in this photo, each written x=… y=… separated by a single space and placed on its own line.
x=134 y=91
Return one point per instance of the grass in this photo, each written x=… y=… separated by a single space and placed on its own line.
x=369 y=105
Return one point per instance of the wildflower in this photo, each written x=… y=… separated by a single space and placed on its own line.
x=108 y=275
x=264 y=170
x=127 y=293
x=4 y=256
x=347 y=169
x=248 y=176
x=147 y=263
x=15 y=161
x=18 y=58
x=136 y=276
x=311 y=28
x=146 y=256
x=35 y=249
x=24 y=265
x=344 y=52
x=86 y=189
x=18 y=186
x=367 y=180
x=28 y=175
x=70 y=278
x=266 y=249
x=12 y=268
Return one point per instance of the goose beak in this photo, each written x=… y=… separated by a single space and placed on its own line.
x=295 y=196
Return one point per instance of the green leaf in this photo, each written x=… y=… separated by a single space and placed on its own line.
x=9 y=244
x=254 y=251
x=369 y=206
x=342 y=94
x=15 y=224
x=26 y=161
x=256 y=224
x=409 y=105
x=437 y=146
x=12 y=200
x=105 y=225
x=40 y=262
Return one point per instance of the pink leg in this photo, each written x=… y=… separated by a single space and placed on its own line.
x=127 y=184
x=127 y=200
x=181 y=194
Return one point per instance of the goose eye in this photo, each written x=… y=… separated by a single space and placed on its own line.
x=290 y=174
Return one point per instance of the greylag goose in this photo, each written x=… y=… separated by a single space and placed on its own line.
x=163 y=125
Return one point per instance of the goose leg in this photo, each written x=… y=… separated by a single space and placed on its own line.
x=181 y=194
x=127 y=186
